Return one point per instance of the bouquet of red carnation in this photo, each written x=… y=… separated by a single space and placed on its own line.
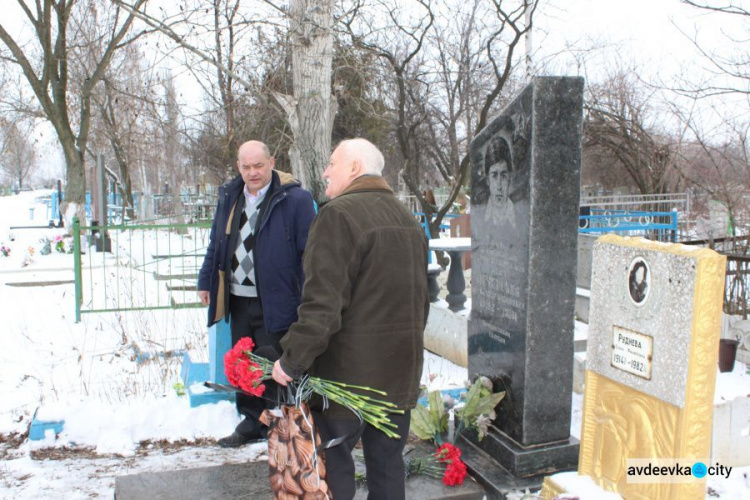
x=445 y=464
x=455 y=470
x=241 y=370
x=247 y=370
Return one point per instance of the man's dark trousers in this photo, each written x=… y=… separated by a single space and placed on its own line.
x=246 y=320
x=386 y=478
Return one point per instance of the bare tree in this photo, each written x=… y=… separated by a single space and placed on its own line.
x=729 y=65
x=450 y=73
x=46 y=68
x=310 y=109
x=170 y=129
x=716 y=162
x=621 y=120
x=110 y=118
x=121 y=106
x=222 y=32
x=18 y=158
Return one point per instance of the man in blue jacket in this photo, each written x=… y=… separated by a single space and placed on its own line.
x=252 y=273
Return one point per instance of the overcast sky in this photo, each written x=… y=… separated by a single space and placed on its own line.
x=641 y=30
x=635 y=29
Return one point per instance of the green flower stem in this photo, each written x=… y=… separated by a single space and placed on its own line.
x=429 y=466
x=457 y=431
x=373 y=411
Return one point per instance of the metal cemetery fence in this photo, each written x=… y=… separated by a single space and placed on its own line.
x=737 y=286
x=195 y=207
x=680 y=203
x=640 y=202
x=660 y=226
x=137 y=267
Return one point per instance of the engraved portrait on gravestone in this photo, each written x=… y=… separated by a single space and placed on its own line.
x=639 y=281
x=498 y=169
x=500 y=220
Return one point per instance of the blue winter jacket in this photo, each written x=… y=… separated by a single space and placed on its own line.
x=277 y=251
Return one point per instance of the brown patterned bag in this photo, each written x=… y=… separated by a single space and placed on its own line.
x=296 y=469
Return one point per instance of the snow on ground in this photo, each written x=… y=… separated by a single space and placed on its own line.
x=121 y=417
x=75 y=475
x=732 y=385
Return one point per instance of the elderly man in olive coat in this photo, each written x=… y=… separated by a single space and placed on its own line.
x=363 y=313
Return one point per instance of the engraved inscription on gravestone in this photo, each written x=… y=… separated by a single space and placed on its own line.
x=632 y=352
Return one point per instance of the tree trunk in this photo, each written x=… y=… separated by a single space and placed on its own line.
x=311 y=110
x=126 y=189
x=75 y=181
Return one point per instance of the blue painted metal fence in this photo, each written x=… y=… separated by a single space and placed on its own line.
x=53 y=206
x=659 y=226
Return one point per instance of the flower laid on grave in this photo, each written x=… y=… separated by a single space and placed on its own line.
x=455 y=468
x=248 y=371
x=179 y=388
x=5 y=251
x=444 y=464
x=59 y=244
x=431 y=423
x=46 y=246
x=28 y=258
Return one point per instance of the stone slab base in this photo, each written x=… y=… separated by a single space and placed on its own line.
x=497 y=482
x=251 y=481
x=520 y=461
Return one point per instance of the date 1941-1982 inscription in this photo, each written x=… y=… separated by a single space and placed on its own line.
x=632 y=352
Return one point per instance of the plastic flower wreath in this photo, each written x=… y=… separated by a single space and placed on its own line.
x=431 y=423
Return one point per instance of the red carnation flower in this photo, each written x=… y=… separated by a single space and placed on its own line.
x=455 y=473
x=241 y=371
x=447 y=452
x=244 y=344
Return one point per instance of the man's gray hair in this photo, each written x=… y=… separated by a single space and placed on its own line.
x=367 y=153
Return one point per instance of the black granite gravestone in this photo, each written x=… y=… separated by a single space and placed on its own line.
x=524 y=218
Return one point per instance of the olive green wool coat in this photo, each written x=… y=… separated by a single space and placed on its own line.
x=365 y=300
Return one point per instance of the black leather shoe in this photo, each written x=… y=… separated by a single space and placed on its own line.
x=236 y=440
